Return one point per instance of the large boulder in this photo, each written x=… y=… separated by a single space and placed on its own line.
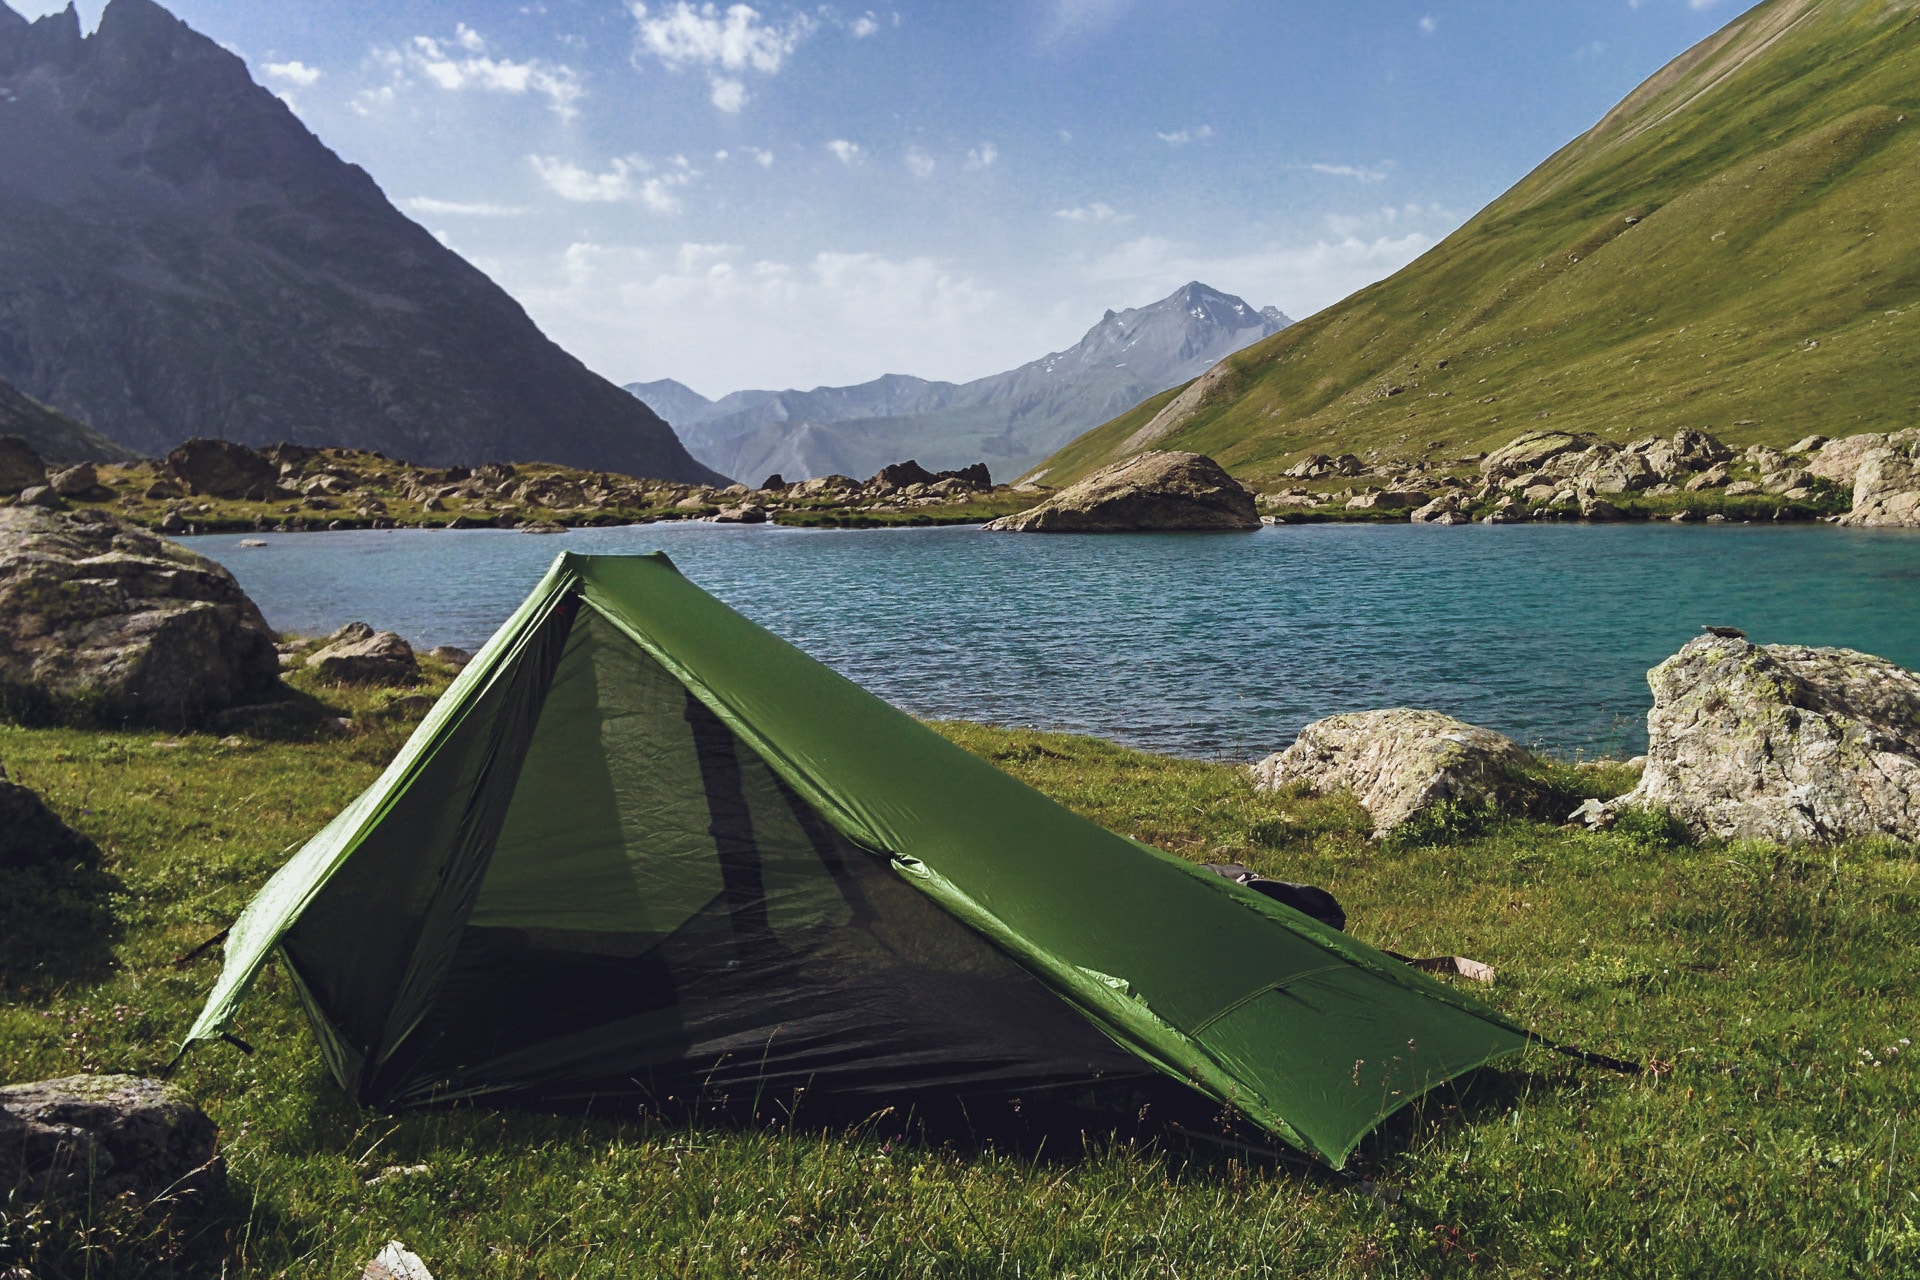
x=1782 y=742
x=20 y=467
x=1530 y=451
x=103 y=622
x=103 y=1136
x=33 y=835
x=1840 y=460
x=1153 y=490
x=223 y=469
x=1402 y=763
x=357 y=654
x=1886 y=490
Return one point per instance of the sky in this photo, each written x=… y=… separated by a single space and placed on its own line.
x=768 y=194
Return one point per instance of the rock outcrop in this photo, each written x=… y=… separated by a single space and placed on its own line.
x=1402 y=763
x=1886 y=489
x=31 y=834
x=1782 y=742
x=1149 y=491
x=102 y=622
x=357 y=654
x=222 y=469
x=104 y=1136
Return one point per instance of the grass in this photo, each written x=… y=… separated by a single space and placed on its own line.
x=1734 y=249
x=1769 y=991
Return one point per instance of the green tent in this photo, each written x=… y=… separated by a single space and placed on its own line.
x=642 y=842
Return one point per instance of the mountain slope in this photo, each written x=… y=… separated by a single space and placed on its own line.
x=179 y=256
x=1736 y=246
x=1009 y=420
x=52 y=434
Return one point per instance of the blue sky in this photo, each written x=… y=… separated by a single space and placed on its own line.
x=770 y=195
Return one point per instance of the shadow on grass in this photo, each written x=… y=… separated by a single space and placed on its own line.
x=57 y=926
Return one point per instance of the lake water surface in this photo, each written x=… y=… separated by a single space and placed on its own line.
x=1215 y=645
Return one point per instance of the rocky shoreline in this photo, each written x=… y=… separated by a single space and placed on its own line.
x=213 y=486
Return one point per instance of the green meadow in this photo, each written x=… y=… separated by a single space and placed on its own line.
x=1768 y=993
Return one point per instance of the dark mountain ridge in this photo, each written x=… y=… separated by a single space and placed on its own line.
x=180 y=256
x=1009 y=420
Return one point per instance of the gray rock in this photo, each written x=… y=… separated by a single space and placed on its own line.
x=1529 y=451
x=41 y=495
x=1782 y=742
x=357 y=654
x=396 y=1262
x=20 y=467
x=31 y=834
x=222 y=469
x=1157 y=489
x=1401 y=763
x=744 y=513
x=1839 y=460
x=103 y=622
x=1444 y=509
x=453 y=657
x=76 y=481
x=1597 y=509
x=1886 y=491
x=97 y=1137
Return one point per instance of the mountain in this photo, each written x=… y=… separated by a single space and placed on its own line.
x=53 y=435
x=1009 y=420
x=180 y=257
x=1735 y=247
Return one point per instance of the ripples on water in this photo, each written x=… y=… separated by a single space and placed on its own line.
x=1214 y=645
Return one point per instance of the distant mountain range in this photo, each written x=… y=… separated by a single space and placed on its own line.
x=1009 y=420
x=180 y=257
x=1733 y=247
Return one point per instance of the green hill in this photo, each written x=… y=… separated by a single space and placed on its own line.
x=1734 y=247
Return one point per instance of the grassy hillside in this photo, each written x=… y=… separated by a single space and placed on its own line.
x=58 y=439
x=1771 y=994
x=1735 y=247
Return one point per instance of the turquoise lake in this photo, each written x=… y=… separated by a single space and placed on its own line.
x=1209 y=645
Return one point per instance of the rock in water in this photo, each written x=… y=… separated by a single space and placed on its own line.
x=20 y=467
x=1886 y=490
x=1782 y=742
x=103 y=1136
x=32 y=834
x=222 y=469
x=102 y=622
x=357 y=654
x=1153 y=490
x=1399 y=764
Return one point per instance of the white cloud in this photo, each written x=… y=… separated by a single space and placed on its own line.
x=848 y=153
x=296 y=72
x=460 y=208
x=368 y=101
x=703 y=35
x=1098 y=211
x=983 y=155
x=1073 y=18
x=462 y=63
x=715 y=316
x=626 y=178
x=1429 y=24
x=1357 y=172
x=1181 y=137
x=863 y=26
x=728 y=94
x=919 y=162
x=761 y=157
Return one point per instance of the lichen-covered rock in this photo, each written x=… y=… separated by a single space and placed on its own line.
x=103 y=1136
x=103 y=622
x=20 y=467
x=1529 y=451
x=1782 y=742
x=1886 y=490
x=223 y=469
x=32 y=834
x=357 y=654
x=76 y=481
x=1840 y=460
x=1401 y=763
x=1158 y=489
